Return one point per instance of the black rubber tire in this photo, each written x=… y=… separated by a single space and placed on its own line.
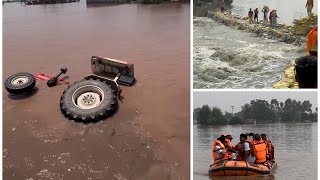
x=106 y=108
x=23 y=88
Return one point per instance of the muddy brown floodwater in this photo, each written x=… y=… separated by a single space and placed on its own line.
x=148 y=138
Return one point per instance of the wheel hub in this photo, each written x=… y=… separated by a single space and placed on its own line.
x=88 y=97
x=19 y=80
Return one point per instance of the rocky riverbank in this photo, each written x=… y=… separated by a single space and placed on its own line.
x=289 y=34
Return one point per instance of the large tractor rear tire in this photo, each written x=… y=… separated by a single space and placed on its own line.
x=88 y=101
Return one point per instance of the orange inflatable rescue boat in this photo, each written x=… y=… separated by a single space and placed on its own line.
x=241 y=168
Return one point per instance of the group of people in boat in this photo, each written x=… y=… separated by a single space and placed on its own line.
x=252 y=148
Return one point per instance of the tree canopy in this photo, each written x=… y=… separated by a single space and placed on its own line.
x=258 y=111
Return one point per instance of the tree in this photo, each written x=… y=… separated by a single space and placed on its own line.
x=195 y=114
x=281 y=105
x=204 y=115
x=261 y=111
x=275 y=106
x=221 y=121
x=228 y=115
x=216 y=117
x=306 y=106
x=246 y=111
x=216 y=113
x=235 y=120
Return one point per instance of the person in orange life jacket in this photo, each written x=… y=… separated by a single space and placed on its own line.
x=250 y=135
x=258 y=150
x=243 y=149
x=312 y=43
x=219 y=151
x=228 y=141
x=269 y=146
x=229 y=146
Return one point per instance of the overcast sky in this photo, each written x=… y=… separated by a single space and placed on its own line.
x=224 y=100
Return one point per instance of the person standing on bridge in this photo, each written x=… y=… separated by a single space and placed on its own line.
x=250 y=14
x=265 y=11
x=270 y=18
x=309 y=7
x=256 y=12
x=274 y=18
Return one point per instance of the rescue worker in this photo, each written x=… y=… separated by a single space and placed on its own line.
x=312 y=44
x=219 y=151
x=258 y=150
x=228 y=141
x=269 y=146
x=229 y=146
x=250 y=15
x=243 y=149
x=306 y=72
x=251 y=135
x=309 y=6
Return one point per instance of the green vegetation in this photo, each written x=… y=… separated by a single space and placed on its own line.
x=259 y=111
x=303 y=26
x=151 y=1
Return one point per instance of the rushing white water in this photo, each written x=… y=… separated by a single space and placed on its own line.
x=229 y=58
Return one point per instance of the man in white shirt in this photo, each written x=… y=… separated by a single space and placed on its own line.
x=249 y=158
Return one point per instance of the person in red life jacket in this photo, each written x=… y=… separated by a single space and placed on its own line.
x=269 y=145
x=219 y=151
x=259 y=150
x=243 y=149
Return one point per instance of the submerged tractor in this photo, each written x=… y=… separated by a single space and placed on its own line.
x=95 y=97
x=91 y=99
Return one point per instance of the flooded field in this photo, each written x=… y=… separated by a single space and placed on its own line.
x=229 y=58
x=291 y=160
x=146 y=138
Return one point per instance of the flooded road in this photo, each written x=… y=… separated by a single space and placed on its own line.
x=291 y=141
x=230 y=58
x=149 y=135
x=287 y=10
